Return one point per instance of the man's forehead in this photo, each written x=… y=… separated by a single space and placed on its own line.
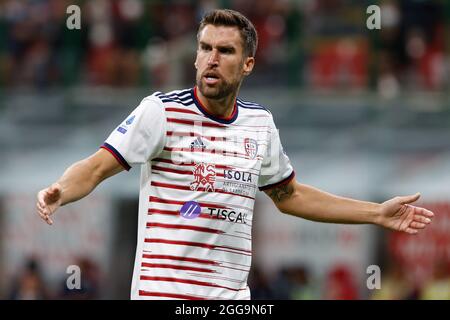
x=220 y=35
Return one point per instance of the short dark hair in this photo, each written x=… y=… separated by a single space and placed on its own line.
x=231 y=18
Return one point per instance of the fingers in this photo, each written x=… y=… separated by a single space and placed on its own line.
x=43 y=209
x=417 y=225
x=411 y=231
x=46 y=218
x=44 y=213
x=421 y=219
x=410 y=199
x=422 y=215
x=425 y=212
x=40 y=199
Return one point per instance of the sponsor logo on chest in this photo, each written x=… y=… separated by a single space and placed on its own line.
x=204 y=176
x=241 y=176
x=192 y=210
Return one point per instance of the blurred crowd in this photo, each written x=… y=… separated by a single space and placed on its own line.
x=295 y=282
x=30 y=283
x=340 y=283
x=319 y=44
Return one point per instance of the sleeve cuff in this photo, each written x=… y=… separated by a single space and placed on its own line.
x=280 y=183
x=116 y=154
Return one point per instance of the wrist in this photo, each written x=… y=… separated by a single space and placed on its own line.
x=59 y=186
x=376 y=214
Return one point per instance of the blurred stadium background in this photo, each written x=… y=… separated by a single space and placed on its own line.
x=361 y=113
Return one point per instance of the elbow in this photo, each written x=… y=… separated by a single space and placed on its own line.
x=283 y=209
x=291 y=206
x=92 y=174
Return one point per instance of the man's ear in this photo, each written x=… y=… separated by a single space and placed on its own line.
x=249 y=63
x=195 y=61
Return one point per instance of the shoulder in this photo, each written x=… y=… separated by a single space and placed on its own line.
x=256 y=112
x=252 y=107
x=183 y=96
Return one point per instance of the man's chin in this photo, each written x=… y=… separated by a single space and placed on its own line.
x=210 y=92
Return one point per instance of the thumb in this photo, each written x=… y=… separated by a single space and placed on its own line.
x=55 y=188
x=53 y=192
x=410 y=199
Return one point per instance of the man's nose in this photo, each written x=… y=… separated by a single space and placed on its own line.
x=213 y=58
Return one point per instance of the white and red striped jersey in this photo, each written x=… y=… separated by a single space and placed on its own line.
x=199 y=177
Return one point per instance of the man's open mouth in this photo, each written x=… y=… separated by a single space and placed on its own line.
x=211 y=78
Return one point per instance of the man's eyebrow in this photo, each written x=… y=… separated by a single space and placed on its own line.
x=225 y=46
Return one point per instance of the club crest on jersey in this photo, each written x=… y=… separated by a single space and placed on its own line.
x=204 y=176
x=251 y=147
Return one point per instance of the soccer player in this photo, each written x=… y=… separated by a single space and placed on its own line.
x=203 y=154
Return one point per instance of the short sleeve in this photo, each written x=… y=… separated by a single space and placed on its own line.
x=276 y=168
x=141 y=136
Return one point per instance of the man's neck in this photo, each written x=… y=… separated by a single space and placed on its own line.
x=222 y=108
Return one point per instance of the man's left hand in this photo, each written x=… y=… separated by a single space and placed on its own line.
x=397 y=214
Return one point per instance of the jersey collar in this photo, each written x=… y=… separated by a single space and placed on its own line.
x=201 y=107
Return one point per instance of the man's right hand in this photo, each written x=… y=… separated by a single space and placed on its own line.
x=78 y=180
x=48 y=201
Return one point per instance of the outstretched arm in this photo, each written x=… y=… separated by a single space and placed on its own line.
x=76 y=182
x=310 y=203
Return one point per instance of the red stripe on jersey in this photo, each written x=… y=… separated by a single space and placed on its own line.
x=198 y=123
x=183 y=134
x=212 y=151
x=174 y=186
x=169 y=186
x=169 y=295
x=203 y=204
x=176 y=213
x=182 y=226
x=193 y=228
x=187 y=172
x=160 y=200
x=185 y=243
x=172 y=266
x=194 y=134
x=180 y=258
x=158 y=168
x=194 y=282
x=182 y=110
x=193 y=260
x=169 y=212
x=198 y=244
x=210 y=276
x=173 y=162
x=218 y=166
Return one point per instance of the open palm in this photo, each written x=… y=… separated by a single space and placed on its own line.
x=397 y=214
x=48 y=201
